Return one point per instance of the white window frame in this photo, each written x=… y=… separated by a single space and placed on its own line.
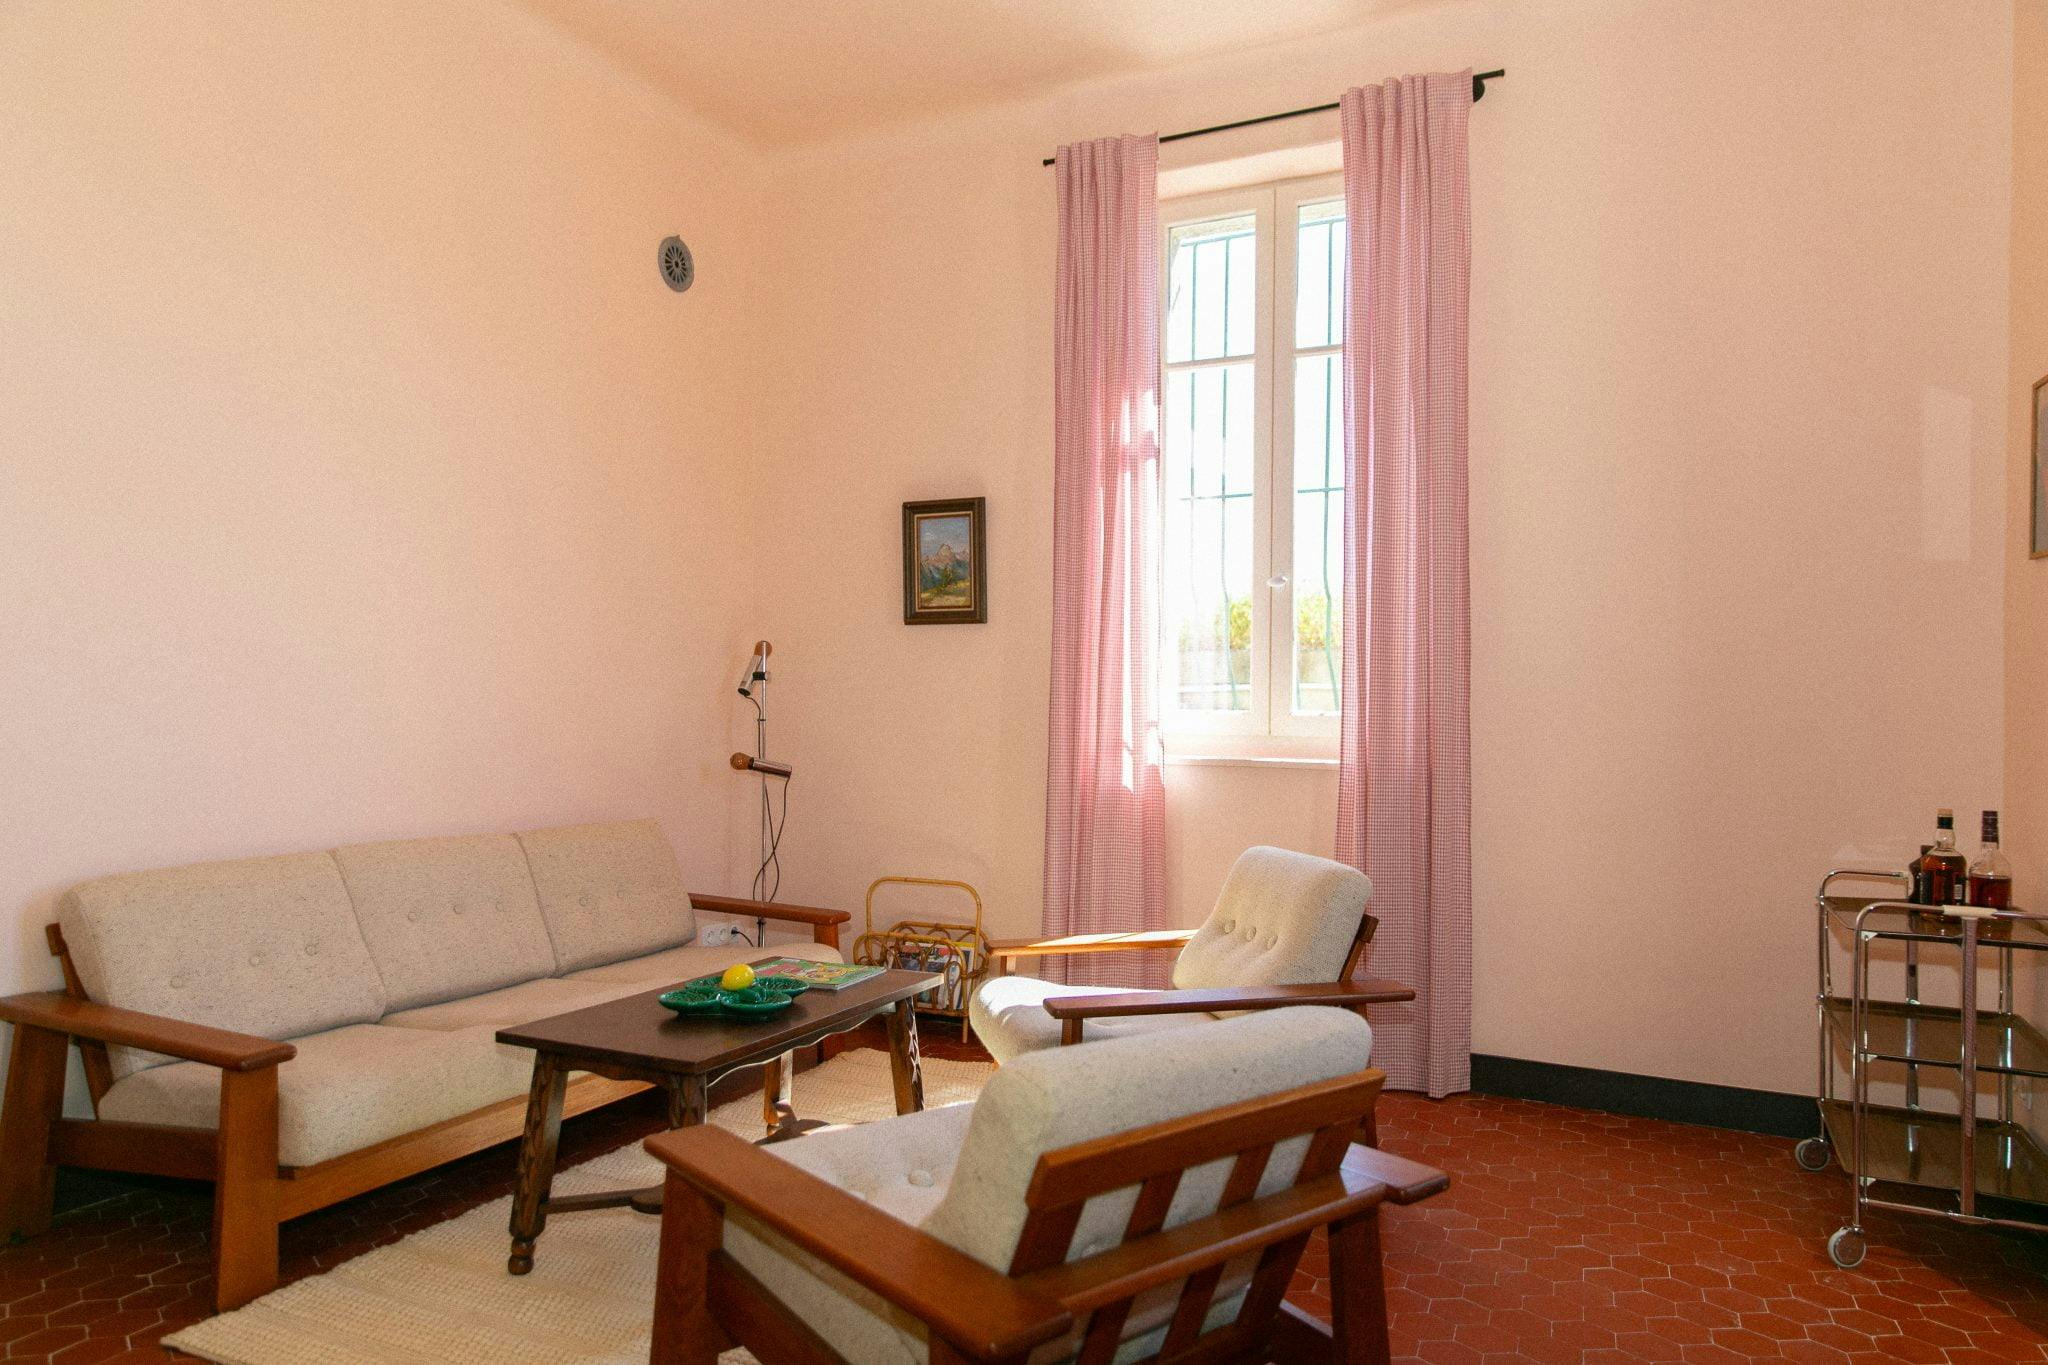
x=1269 y=729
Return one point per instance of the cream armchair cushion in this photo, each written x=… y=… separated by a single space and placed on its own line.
x=1282 y=919
x=961 y=1172
x=1008 y=1015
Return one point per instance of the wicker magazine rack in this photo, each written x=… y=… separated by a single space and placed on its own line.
x=958 y=952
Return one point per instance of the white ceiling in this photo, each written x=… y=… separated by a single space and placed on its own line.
x=797 y=72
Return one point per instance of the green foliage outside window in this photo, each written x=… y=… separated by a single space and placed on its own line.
x=1317 y=626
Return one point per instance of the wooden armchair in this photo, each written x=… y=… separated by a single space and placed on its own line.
x=1064 y=1215
x=1288 y=929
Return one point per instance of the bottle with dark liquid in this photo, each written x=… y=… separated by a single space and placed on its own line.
x=1942 y=876
x=1990 y=882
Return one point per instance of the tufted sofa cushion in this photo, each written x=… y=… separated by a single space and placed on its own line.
x=445 y=918
x=510 y=1005
x=608 y=892
x=1282 y=919
x=349 y=1088
x=267 y=946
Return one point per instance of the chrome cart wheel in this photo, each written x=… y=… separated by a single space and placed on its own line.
x=1813 y=1154
x=1846 y=1248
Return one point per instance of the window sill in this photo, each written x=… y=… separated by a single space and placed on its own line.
x=1248 y=761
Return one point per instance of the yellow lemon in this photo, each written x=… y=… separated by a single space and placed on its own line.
x=737 y=977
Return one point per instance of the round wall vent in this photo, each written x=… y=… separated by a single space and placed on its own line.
x=676 y=266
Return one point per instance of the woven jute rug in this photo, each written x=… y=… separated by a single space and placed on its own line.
x=442 y=1297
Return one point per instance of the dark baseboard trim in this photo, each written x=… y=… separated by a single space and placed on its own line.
x=1646 y=1097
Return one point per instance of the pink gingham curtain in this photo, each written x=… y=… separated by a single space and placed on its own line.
x=1105 y=803
x=1404 y=789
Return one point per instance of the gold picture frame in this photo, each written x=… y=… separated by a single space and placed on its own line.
x=945 y=562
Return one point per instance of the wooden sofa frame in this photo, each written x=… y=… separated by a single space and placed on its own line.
x=252 y=1192
x=706 y=1301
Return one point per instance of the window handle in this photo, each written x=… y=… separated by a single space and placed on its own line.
x=1277 y=581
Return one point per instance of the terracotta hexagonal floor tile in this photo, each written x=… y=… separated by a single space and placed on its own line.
x=1565 y=1235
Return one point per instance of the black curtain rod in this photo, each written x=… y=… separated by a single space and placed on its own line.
x=1479 y=81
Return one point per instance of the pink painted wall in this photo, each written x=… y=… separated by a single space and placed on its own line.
x=2026 y=589
x=358 y=476
x=1739 y=439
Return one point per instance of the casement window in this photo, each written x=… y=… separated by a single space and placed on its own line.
x=1252 y=465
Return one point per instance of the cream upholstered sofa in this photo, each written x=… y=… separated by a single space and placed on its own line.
x=1013 y=1219
x=1288 y=929
x=368 y=981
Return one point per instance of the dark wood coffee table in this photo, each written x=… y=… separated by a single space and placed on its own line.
x=634 y=1039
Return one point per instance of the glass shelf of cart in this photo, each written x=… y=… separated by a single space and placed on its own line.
x=1902 y=921
x=1932 y=1035
x=1914 y=1147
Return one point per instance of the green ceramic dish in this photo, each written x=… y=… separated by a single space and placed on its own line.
x=787 y=985
x=755 y=1002
x=692 y=1001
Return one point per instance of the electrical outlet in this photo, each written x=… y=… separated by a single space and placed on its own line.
x=717 y=935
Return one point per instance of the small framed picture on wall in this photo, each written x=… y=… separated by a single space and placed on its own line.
x=2040 y=545
x=945 y=562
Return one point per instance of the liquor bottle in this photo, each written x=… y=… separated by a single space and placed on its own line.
x=1991 y=878
x=1942 y=875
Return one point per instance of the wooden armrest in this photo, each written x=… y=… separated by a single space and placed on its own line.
x=958 y=1297
x=738 y=905
x=219 y=1047
x=1090 y=943
x=1349 y=994
x=1406 y=1181
x=1243 y=1229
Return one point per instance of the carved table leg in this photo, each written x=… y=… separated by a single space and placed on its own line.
x=686 y=1100
x=687 y=1106
x=904 y=1066
x=536 y=1159
x=776 y=1109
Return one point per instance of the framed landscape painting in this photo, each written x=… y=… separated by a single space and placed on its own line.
x=945 y=562
x=2040 y=543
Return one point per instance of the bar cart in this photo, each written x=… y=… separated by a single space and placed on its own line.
x=1964 y=1167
